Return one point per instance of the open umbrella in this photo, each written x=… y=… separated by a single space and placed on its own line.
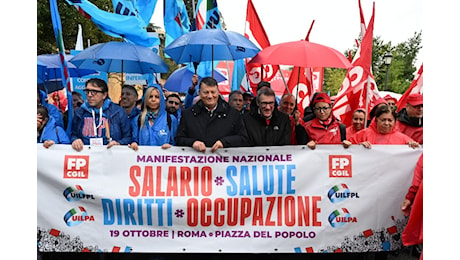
x=49 y=68
x=120 y=57
x=181 y=79
x=210 y=45
x=303 y=54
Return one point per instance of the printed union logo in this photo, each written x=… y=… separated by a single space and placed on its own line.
x=340 y=166
x=76 y=193
x=340 y=217
x=76 y=216
x=340 y=192
x=76 y=166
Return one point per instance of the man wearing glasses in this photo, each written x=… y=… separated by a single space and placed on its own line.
x=99 y=121
x=410 y=118
x=265 y=124
x=324 y=128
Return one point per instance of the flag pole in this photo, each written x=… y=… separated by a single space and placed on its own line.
x=367 y=99
x=284 y=80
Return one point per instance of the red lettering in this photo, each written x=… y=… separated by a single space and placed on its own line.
x=134 y=171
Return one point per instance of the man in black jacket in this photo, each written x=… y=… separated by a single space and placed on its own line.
x=265 y=124
x=211 y=122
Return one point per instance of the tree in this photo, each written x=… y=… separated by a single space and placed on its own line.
x=70 y=18
x=401 y=71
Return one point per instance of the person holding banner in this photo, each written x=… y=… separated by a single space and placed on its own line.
x=357 y=122
x=48 y=132
x=266 y=125
x=154 y=125
x=324 y=128
x=211 y=122
x=99 y=121
x=382 y=130
x=128 y=101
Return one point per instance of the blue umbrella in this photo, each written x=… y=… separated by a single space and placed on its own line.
x=210 y=45
x=181 y=79
x=49 y=68
x=120 y=57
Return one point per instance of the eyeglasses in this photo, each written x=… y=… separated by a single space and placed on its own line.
x=93 y=92
x=319 y=109
x=264 y=104
x=173 y=102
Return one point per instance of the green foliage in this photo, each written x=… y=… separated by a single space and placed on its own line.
x=70 y=18
x=400 y=72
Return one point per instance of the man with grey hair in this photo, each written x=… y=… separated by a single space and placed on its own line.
x=265 y=124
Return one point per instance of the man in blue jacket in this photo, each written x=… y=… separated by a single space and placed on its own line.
x=99 y=121
x=48 y=132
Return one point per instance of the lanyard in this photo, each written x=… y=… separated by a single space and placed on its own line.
x=94 y=121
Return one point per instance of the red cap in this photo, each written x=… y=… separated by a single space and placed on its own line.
x=387 y=97
x=415 y=99
x=322 y=97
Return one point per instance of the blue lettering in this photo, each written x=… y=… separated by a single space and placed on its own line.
x=290 y=179
x=255 y=191
x=128 y=206
x=160 y=203
x=149 y=203
x=107 y=208
x=280 y=169
x=245 y=186
x=118 y=206
x=232 y=189
x=269 y=182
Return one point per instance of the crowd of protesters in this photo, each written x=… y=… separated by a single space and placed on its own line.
x=205 y=119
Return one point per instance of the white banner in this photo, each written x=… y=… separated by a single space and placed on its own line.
x=257 y=200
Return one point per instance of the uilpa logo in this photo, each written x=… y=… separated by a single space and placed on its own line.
x=76 y=166
x=340 y=192
x=76 y=216
x=76 y=193
x=340 y=217
x=340 y=166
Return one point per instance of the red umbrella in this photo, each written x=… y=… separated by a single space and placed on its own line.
x=303 y=54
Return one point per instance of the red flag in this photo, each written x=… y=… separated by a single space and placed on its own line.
x=255 y=32
x=362 y=22
x=300 y=87
x=415 y=87
x=353 y=93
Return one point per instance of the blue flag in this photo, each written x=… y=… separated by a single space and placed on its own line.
x=176 y=20
x=239 y=70
x=213 y=15
x=130 y=27
x=141 y=8
x=57 y=27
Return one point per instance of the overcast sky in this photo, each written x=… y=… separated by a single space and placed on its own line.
x=337 y=23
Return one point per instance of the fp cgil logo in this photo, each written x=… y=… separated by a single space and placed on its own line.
x=340 y=166
x=76 y=166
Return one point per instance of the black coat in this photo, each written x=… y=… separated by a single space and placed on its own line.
x=278 y=132
x=225 y=125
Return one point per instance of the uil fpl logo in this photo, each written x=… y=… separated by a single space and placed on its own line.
x=340 y=166
x=76 y=166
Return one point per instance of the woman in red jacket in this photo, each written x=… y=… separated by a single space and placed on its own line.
x=382 y=130
x=324 y=128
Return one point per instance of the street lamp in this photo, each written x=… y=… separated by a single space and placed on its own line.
x=387 y=60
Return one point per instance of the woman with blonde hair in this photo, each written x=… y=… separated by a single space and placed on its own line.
x=153 y=126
